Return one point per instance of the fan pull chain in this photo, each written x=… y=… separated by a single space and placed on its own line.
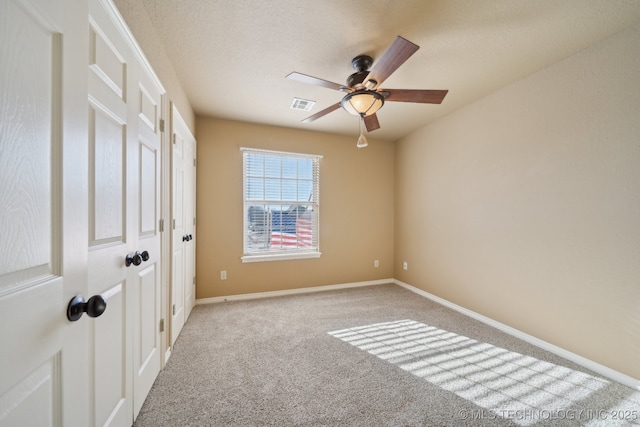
x=362 y=141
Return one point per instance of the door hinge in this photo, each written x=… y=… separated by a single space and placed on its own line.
x=194 y=220
x=174 y=223
x=161 y=325
x=194 y=280
x=174 y=138
x=161 y=125
x=174 y=309
x=161 y=225
x=194 y=163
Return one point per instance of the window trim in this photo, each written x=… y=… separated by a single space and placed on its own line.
x=281 y=255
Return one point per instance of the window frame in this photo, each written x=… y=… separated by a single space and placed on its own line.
x=282 y=253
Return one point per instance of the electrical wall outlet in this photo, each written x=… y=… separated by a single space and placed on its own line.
x=405 y=265
x=223 y=275
x=376 y=263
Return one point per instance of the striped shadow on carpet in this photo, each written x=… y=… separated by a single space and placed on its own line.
x=506 y=383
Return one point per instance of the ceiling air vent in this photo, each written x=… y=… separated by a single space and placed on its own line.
x=302 y=104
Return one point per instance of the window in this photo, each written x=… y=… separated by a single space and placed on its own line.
x=281 y=205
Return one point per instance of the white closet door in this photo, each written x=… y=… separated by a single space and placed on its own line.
x=183 y=217
x=43 y=374
x=179 y=232
x=123 y=214
x=146 y=294
x=112 y=195
x=190 y=215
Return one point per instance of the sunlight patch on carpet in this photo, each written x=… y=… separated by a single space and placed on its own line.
x=508 y=384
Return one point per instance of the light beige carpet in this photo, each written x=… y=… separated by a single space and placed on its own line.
x=373 y=356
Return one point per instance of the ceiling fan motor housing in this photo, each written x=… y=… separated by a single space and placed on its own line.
x=361 y=64
x=356 y=79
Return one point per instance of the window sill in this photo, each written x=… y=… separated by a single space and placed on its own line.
x=280 y=256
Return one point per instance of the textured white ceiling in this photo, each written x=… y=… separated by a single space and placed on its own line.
x=232 y=56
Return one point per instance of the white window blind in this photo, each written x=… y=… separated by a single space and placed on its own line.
x=281 y=205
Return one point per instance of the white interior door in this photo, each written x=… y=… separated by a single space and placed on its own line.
x=189 y=199
x=43 y=373
x=184 y=222
x=124 y=213
x=112 y=196
x=80 y=167
x=147 y=351
x=179 y=234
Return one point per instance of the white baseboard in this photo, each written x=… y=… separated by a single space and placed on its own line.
x=292 y=291
x=582 y=361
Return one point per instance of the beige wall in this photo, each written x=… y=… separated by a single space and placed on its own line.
x=525 y=206
x=356 y=210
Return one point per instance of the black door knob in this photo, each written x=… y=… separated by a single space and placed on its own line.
x=77 y=306
x=185 y=238
x=135 y=259
x=145 y=256
x=190 y=237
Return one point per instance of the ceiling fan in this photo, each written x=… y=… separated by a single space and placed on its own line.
x=364 y=97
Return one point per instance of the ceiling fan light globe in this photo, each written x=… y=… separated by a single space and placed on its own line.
x=362 y=103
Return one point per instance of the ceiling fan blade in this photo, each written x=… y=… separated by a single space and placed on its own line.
x=303 y=78
x=395 y=55
x=321 y=113
x=415 y=95
x=371 y=122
